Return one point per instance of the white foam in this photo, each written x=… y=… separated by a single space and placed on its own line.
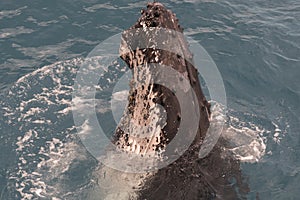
x=120 y=95
x=247 y=141
x=39 y=161
x=277 y=136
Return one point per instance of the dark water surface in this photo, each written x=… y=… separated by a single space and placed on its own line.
x=255 y=44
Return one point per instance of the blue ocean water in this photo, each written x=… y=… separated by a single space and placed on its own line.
x=255 y=44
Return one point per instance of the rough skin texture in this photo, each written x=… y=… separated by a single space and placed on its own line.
x=189 y=178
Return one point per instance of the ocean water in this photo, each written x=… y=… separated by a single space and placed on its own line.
x=255 y=45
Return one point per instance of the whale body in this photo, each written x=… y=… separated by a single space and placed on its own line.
x=188 y=178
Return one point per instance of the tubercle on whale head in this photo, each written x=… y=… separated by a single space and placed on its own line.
x=156 y=15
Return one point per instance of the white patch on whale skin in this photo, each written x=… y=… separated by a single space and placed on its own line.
x=142 y=134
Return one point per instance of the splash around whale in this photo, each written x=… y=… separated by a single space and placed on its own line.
x=49 y=161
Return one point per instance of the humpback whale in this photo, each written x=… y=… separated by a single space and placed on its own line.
x=189 y=178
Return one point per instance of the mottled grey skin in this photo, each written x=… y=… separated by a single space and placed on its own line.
x=189 y=178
